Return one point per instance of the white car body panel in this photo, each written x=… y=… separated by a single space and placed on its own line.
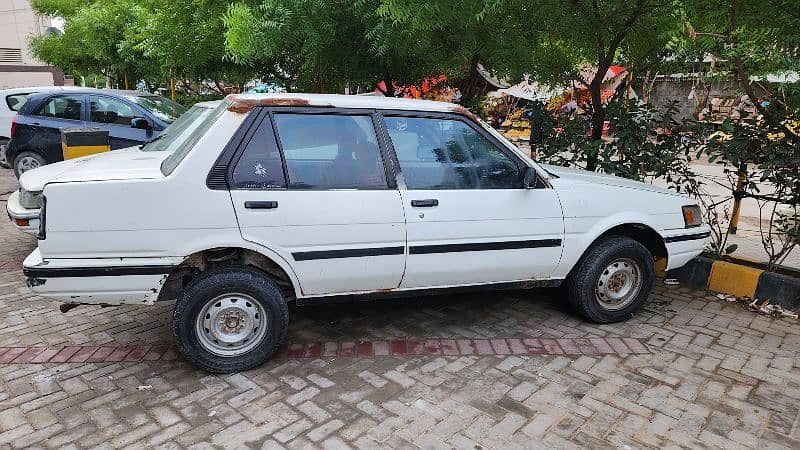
x=330 y=221
x=118 y=209
x=479 y=216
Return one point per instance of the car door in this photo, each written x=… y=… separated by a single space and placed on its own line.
x=114 y=115
x=469 y=220
x=312 y=185
x=45 y=123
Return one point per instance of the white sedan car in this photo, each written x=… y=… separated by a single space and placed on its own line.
x=274 y=198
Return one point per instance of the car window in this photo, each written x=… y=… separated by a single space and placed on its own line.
x=330 y=151
x=111 y=111
x=260 y=166
x=449 y=154
x=182 y=135
x=61 y=107
x=15 y=101
x=163 y=108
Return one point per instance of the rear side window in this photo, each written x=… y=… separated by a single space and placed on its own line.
x=110 y=110
x=16 y=101
x=260 y=166
x=61 y=107
x=325 y=151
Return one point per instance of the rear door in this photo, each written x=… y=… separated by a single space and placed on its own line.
x=312 y=185
x=469 y=219
x=114 y=115
x=43 y=127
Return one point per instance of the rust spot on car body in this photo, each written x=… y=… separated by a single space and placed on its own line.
x=458 y=109
x=244 y=105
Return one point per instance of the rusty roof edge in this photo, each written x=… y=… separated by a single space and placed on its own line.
x=238 y=103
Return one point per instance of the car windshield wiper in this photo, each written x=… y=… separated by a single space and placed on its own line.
x=152 y=140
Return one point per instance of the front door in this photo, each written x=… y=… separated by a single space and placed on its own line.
x=320 y=196
x=114 y=115
x=469 y=219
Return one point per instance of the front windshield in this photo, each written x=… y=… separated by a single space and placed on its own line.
x=163 y=108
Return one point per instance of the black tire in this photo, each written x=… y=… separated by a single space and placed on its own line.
x=582 y=284
x=20 y=157
x=212 y=285
x=3 y=158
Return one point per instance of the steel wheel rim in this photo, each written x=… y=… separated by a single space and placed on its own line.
x=27 y=163
x=231 y=324
x=619 y=284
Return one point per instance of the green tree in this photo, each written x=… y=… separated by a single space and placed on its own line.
x=324 y=46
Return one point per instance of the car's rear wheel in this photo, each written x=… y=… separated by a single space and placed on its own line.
x=26 y=161
x=230 y=319
x=612 y=280
x=3 y=158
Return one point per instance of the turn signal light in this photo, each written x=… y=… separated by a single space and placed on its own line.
x=21 y=222
x=692 y=216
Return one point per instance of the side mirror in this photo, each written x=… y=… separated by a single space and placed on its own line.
x=140 y=123
x=529 y=178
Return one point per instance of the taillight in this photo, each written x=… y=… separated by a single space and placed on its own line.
x=13 y=125
x=42 y=234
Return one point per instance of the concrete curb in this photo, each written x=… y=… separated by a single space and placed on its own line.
x=741 y=280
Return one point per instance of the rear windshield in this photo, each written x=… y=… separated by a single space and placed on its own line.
x=180 y=137
x=163 y=108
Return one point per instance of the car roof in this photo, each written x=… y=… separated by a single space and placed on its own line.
x=88 y=90
x=245 y=102
x=37 y=89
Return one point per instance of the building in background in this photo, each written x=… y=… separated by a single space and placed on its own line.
x=18 y=68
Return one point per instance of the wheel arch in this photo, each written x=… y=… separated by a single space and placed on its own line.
x=639 y=232
x=203 y=260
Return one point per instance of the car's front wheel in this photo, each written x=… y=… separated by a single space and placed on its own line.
x=3 y=158
x=230 y=320
x=26 y=161
x=612 y=280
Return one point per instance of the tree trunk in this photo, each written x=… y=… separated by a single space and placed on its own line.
x=469 y=85
x=388 y=84
x=598 y=111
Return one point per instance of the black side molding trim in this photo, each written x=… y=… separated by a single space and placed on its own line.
x=349 y=253
x=483 y=246
x=688 y=237
x=82 y=272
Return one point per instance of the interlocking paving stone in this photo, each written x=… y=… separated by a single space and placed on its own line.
x=686 y=371
x=364 y=349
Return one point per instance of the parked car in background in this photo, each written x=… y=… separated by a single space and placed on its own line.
x=307 y=198
x=131 y=117
x=23 y=205
x=11 y=100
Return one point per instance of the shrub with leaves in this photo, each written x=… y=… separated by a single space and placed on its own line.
x=645 y=145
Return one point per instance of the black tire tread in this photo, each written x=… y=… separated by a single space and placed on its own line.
x=233 y=277
x=581 y=282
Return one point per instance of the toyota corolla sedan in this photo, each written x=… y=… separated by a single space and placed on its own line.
x=269 y=199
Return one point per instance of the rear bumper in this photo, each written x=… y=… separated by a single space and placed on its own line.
x=26 y=220
x=98 y=280
x=684 y=245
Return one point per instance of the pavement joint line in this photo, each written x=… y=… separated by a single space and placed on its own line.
x=347 y=349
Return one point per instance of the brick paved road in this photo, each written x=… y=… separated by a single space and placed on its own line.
x=503 y=370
